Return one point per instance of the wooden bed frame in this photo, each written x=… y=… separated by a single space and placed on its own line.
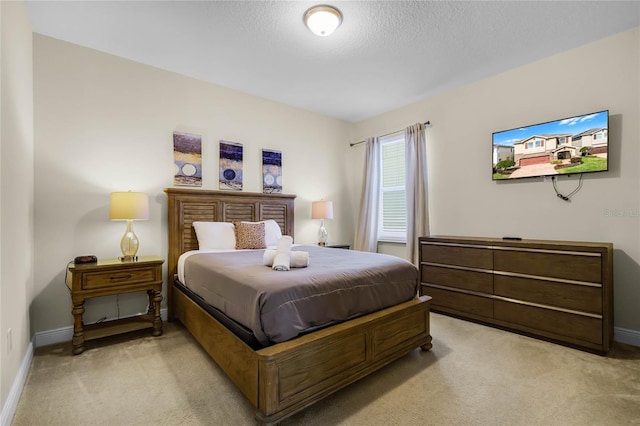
x=287 y=377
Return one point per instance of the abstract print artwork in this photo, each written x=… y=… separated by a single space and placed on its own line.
x=187 y=159
x=271 y=171
x=230 y=166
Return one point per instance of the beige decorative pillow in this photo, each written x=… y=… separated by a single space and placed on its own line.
x=249 y=235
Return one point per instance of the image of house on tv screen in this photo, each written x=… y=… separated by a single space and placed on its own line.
x=567 y=146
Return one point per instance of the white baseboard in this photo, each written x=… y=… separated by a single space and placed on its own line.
x=10 y=405
x=625 y=335
x=65 y=334
x=50 y=337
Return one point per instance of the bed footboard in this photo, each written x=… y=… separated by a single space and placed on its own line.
x=295 y=374
x=285 y=378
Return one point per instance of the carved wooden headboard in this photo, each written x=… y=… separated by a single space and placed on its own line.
x=186 y=206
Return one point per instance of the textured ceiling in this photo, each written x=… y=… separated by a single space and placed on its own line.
x=386 y=54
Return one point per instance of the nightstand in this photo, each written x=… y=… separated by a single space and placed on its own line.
x=340 y=246
x=111 y=277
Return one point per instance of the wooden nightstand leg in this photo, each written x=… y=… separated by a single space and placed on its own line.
x=427 y=346
x=152 y=306
x=78 y=326
x=155 y=297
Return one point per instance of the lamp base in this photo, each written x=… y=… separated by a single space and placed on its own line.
x=129 y=244
x=323 y=235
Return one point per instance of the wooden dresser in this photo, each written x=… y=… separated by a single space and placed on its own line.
x=560 y=291
x=108 y=277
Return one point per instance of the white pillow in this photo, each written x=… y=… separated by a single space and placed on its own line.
x=215 y=235
x=272 y=232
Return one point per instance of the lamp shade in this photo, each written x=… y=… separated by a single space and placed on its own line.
x=322 y=210
x=129 y=206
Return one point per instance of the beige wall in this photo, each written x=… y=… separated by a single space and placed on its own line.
x=103 y=124
x=16 y=197
x=463 y=199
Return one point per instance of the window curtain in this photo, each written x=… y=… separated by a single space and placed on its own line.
x=416 y=187
x=366 y=238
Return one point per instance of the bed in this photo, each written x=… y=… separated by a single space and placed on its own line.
x=285 y=377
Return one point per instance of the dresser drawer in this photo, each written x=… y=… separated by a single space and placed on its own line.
x=574 y=266
x=461 y=302
x=481 y=282
x=560 y=324
x=563 y=295
x=459 y=255
x=96 y=280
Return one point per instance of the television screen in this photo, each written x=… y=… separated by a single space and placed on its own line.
x=566 y=146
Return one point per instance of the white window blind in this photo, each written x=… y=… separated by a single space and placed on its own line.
x=393 y=209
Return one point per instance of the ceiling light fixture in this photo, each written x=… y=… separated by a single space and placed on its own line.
x=323 y=19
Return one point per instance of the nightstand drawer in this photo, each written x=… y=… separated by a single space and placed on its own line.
x=95 y=280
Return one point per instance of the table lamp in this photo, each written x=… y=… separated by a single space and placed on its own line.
x=322 y=210
x=129 y=206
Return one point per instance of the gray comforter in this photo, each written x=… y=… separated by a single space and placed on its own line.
x=279 y=305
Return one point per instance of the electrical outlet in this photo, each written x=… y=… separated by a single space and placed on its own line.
x=9 y=341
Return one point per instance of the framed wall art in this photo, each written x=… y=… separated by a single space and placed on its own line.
x=187 y=159
x=271 y=171
x=230 y=175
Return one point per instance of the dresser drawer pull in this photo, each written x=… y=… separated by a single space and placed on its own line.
x=120 y=277
x=461 y=268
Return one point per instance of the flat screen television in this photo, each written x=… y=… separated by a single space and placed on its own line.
x=566 y=146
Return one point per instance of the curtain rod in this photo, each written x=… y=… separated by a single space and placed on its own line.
x=426 y=123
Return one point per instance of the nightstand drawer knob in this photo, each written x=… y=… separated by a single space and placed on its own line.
x=120 y=277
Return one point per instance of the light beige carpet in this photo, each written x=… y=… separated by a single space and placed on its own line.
x=474 y=375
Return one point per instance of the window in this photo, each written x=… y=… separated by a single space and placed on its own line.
x=537 y=143
x=392 y=223
x=600 y=135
